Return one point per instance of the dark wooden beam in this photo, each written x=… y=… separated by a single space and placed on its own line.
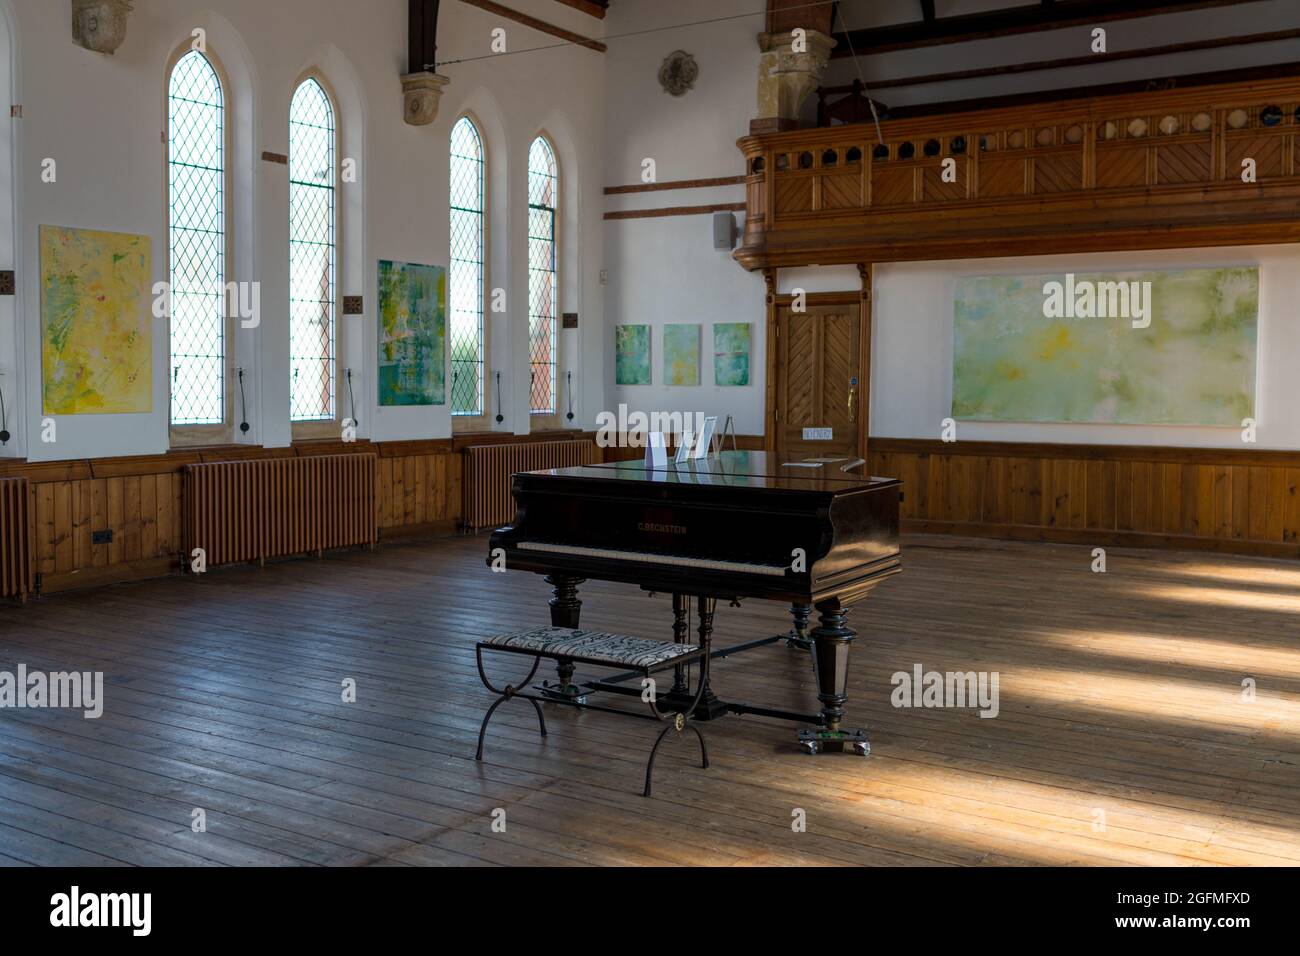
x=540 y=25
x=1242 y=75
x=1006 y=22
x=927 y=10
x=589 y=7
x=422 y=37
x=1034 y=66
x=785 y=15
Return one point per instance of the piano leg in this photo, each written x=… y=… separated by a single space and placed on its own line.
x=798 y=636
x=681 y=634
x=566 y=609
x=831 y=640
x=709 y=706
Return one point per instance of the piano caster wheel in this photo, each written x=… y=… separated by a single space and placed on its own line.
x=834 y=741
x=571 y=693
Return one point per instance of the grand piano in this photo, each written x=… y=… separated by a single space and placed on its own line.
x=739 y=525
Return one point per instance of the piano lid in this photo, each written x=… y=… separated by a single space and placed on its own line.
x=751 y=469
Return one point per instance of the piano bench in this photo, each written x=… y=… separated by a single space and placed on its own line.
x=570 y=645
x=594 y=647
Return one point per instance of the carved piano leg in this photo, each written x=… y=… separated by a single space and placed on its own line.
x=831 y=639
x=798 y=636
x=681 y=634
x=709 y=707
x=566 y=609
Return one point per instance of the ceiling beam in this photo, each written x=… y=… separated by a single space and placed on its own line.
x=1186 y=81
x=422 y=37
x=1005 y=22
x=1011 y=69
x=589 y=7
x=540 y=25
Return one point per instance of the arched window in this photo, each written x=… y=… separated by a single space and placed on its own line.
x=197 y=241
x=465 y=273
x=543 y=297
x=311 y=255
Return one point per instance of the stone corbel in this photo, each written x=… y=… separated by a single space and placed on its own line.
x=420 y=94
x=786 y=76
x=100 y=25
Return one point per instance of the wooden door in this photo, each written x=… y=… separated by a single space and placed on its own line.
x=820 y=400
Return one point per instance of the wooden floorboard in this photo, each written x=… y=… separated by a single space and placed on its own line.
x=1120 y=693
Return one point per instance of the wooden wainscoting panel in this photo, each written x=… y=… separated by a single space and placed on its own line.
x=1215 y=499
x=141 y=511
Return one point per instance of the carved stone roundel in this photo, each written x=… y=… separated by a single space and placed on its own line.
x=678 y=72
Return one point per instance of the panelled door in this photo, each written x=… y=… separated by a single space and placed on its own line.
x=820 y=386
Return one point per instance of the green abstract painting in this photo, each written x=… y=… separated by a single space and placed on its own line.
x=96 y=327
x=412 y=334
x=682 y=355
x=632 y=355
x=1153 y=348
x=731 y=353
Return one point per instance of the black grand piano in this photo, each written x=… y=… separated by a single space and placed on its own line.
x=734 y=526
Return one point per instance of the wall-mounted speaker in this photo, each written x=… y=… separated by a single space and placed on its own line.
x=724 y=231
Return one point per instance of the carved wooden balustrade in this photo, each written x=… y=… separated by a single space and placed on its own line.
x=1149 y=170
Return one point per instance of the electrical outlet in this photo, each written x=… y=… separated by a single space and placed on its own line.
x=102 y=537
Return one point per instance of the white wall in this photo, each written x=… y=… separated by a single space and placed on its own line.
x=100 y=117
x=665 y=270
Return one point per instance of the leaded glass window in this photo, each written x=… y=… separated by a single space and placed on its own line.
x=196 y=241
x=466 y=269
x=311 y=255
x=542 y=293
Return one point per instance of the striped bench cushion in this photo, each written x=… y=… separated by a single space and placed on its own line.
x=594 y=647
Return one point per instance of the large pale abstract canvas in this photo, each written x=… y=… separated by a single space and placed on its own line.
x=632 y=355
x=412 y=334
x=1190 y=360
x=681 y=354
x=96 y=335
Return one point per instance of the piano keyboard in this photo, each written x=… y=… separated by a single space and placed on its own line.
x=646 y=557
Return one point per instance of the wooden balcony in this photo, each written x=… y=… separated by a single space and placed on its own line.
x=1160 y=169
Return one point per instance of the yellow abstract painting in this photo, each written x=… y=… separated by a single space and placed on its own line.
x=96 y=340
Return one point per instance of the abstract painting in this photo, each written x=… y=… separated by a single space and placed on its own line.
x=412 y=334
x=1188 y=360
x=96 y=322
x=682 y=354
x=731 y=353
x=632 y=355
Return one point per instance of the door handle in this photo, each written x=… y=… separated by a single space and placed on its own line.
x=853 y=404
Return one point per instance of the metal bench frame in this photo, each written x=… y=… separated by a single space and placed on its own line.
x=676 y=720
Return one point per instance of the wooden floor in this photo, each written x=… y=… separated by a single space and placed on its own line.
x=1120 y=694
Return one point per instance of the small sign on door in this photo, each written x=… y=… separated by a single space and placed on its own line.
x=818 y=434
